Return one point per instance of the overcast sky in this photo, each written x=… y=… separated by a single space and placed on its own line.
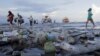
x=75 y=10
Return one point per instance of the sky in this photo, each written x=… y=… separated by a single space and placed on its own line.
x=75 y=10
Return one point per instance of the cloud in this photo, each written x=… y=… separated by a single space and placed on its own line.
x=96 y=9
x=40 y=6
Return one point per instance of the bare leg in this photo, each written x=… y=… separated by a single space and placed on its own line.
x=11 y=25
x=92 y=22
x=87 y=23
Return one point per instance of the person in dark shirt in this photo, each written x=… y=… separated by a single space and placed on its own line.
x=10 y=17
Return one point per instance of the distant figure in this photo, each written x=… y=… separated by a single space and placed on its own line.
x=90 y=17
x=20 y=20
x=65 y=20
x=10 y=17
x=46 y=20
x=35 y=22
x=54 y=21
x=31 y=20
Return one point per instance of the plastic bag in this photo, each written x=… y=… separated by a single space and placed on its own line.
x=40 y=37
x=71 y=40
x=51 y=37
x=49 y=47
x=11 y=33
x=65 y=46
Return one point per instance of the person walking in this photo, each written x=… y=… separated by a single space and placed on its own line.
x=90 y=17
x=10 y=18
x=31 y=20
x=20 y=20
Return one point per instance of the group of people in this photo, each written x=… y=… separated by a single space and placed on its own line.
x=19 y=19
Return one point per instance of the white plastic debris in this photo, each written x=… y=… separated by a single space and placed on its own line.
x=11 y=33
x=14 y=32
x=66 y=46
x=5 y=39
x=7 y=34
x=40 y=36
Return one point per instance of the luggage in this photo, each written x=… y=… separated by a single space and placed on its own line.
x=21 y=21
x=49 y=47
x=15 y=20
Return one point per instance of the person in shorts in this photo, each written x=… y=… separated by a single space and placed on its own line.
x=90 y=17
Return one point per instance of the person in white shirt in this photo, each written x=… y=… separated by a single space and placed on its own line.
x=31 y=20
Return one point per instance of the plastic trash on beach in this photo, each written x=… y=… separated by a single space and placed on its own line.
x=5 y=39
x=91 y=42
x=16 y=53
x=7 y=50
x=7 y=34
x=58 y=29
x=40 y=37
x=32 y=52
x=1 y=35
x=60 y=38
x=65 y=46
x=68 y=37
x=32 y=35
x=65 y=34
x=15 y=32
x=49 y=47
x=51 y=36
x=90 y=35
x=22 y=33
x=12 y=33
x=97 y=34
x=83 y=38
x=1 y=32
x=71 y=40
